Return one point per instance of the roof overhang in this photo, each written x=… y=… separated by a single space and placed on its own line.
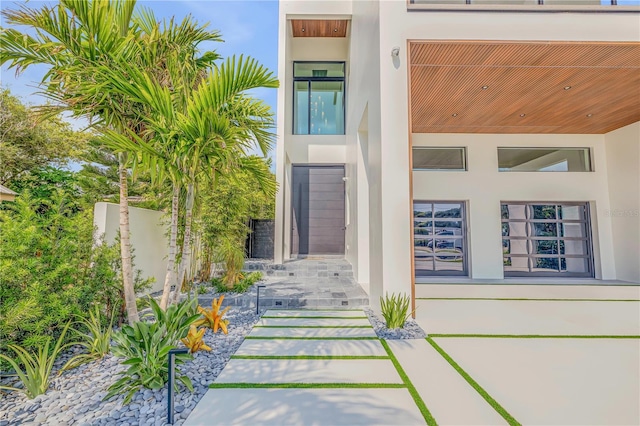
x=523 y=87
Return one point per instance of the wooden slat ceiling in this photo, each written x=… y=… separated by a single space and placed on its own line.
x=319 y=27
x=524 y=87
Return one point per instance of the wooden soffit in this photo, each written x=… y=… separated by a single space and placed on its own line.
x=523 y=87
x=319 y=27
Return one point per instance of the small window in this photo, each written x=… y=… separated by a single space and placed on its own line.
x=318 y=99
x=544 y=160
x=428 y=158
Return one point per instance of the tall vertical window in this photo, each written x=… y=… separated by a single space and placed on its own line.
x=546 y=239
x=318 y=98
x=439 y=239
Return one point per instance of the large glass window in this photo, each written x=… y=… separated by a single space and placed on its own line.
x=546 y=239
x=318 y=105
x=439 y=239
x=431 y=158
x=544 y=160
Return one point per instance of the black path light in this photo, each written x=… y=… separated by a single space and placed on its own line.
x=258 y=299
x=172 y=373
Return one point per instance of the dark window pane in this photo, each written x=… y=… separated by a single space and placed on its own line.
x=545 y=264
x=544 y=160
x=505 y=229
x=504 y=211
x=423 y=242
x=449 y=228
x=427 y=158
x=422 y=228
x=544 y=229
x=421 y=210
x=543 y=212
x=453 y=246
x=545 y=247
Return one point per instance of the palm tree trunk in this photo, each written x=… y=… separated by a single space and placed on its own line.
x=170 y=278
x=125 y=245
x=186 y=246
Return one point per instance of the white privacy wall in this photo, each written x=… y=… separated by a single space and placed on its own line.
x=148 y=240
x=623 y=165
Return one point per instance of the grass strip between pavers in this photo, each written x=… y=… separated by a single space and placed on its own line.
x=305 y=385
x=312 y=326
x=536 y=336
x=309 y=357
x=310 y=338
x=309 y=317
x=527 y=299
x=412 y=390
x=496 y=406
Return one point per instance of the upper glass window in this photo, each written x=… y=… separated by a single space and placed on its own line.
x=429 y=158
x=318 y=98
x=544 y=160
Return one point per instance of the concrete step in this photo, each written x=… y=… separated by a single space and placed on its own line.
x=303 y=268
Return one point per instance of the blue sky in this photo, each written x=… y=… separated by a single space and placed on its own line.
x=247 y=27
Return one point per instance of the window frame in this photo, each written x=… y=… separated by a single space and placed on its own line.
x=343 y=80
x=557 y=148
x=465 y=160
x=530 y=239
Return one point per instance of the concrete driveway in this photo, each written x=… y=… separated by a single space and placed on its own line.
x=544 y=355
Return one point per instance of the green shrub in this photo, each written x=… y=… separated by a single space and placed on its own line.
x=395 y=309
x=37 y=367
x=202 y=289
x=145 y=348
x=96 y=340
x=241 y=286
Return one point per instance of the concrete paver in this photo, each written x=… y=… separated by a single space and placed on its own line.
x=284 y=347
x=556 y=381
x=314 y=322
x=306 y=407
x=528 y=317
x=450 y=399
x=312 y=332
x=309 y=371
x=312 y=313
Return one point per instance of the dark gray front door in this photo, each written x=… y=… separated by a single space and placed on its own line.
x=318 y=210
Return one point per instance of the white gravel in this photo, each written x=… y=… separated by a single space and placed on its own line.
x=411 y=329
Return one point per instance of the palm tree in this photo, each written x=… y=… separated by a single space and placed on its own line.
x=209 y=134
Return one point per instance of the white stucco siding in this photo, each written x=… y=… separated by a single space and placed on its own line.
x=623 y=167
x=483 y=188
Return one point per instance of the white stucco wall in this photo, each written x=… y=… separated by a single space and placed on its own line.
x=377 y=112
x=623 y=166
x=483 y=187
x=148 y=240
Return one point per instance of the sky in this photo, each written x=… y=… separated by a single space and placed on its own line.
x=248 y=27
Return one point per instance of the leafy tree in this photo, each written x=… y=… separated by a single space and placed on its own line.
x=27 y=142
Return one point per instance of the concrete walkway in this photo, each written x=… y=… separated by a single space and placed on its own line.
x=309 y=368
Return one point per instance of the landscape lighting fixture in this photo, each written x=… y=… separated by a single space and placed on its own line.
x=567 y=87
x=485 y=87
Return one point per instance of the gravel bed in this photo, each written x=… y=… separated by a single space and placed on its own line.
x=75 y=398
x=411 y=329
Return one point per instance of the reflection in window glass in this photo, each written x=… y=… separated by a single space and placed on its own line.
x=326 y=108
x=301 y=107
x=439 y=245
x=544 y=160
x=428 y=158
x=546 y=239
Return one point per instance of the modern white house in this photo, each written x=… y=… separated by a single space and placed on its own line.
x=453 y=141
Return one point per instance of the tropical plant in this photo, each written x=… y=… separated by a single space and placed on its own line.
x=145 y=348
x=37 y=367
x=241 y=286
x=213 y=318
x=177 y=318
x=96 y=339
x=230 y=252
x=193 y=341
x=395 y=309
x=72 y=38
